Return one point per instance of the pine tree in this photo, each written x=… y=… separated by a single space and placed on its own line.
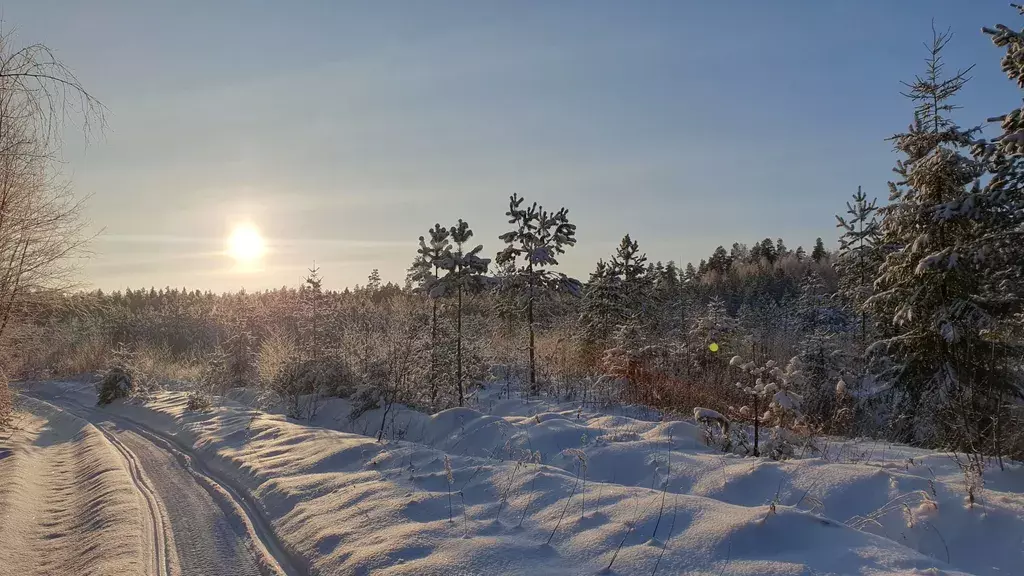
x=773 y=390
x=311 y=311
x=821 y=325
x=633 y=279
x=740 y=252
x=629 y=263
x=760 y=320
x=929 y=284
x=690 y=275
x=767 y=252
x=618 y=291
x=859 y=257
x=668 y=298
x=780 y=248
x=373 y=282
x=538 y=238
x=238 y=359
x=998 y=211
x=720 y=262
x=311 y=305
x=600 y=308
x=424 y=275
x=714 y=326
x=819 y=253
x=631 y=358
x=464 y=273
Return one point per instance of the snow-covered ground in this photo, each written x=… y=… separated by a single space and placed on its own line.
x=544 y=489
x=67 y=501
x=119 y=499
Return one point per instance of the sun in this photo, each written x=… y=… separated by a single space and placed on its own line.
x=245 y=244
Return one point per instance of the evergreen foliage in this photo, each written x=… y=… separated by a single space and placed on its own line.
x=538 y=238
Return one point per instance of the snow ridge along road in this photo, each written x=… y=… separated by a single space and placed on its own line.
x=239 y=540
x=68 y=504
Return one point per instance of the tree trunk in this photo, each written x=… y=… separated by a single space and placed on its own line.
x=757 y=425
x=433 y=355
x=529 y=320
x=458 y=346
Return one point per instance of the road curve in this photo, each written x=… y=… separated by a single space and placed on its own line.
x=203 y=524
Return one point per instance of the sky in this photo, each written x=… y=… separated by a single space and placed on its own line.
x=342 y=131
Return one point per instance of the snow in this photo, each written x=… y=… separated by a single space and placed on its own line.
x=700 y=414
x=786 y=399
x=67 y=502
x=352 y=505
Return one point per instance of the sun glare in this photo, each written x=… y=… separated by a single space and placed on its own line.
x=245 y=244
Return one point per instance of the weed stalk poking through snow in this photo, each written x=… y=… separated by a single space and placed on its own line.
x=465 y=515
x=582 y=456
x=571 y=494
x=504 y=496
x=451 y=478
x=668 y=479
x=535 y=458
x=671 y=528
x=629 y=529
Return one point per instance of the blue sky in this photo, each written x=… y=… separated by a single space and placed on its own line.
x=344 y=130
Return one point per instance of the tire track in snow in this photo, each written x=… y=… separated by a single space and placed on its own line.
x=273 y=558
x=262 y=541
x=159 y=531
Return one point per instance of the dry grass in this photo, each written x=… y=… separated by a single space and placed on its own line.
x=6 y=405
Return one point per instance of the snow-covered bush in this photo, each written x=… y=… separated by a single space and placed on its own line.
x=198 y=401
x=715 y=428
x=123 y=379
x=771 y=401
x=116 y=383
x=298 y=378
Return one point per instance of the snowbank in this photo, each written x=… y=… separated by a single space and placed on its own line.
x=67 y=503
x=911 y=496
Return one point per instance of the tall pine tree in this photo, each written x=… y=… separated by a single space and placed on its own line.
x=859 y=258
x=464 y=273
x=532 y=247
x=424 y=274
x=927 y=288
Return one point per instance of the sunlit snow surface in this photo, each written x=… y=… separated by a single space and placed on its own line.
x=352 y=505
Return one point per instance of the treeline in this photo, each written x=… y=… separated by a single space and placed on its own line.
x=582 y=333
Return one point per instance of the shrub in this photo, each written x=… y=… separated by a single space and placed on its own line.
x=274 y=354
x=322 y=377
x=198 y=401
x=123 y=379
x=116 y=383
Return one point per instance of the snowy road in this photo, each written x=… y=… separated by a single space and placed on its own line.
x=199 y=524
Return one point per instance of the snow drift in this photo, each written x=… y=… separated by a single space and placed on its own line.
x=567 y=492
